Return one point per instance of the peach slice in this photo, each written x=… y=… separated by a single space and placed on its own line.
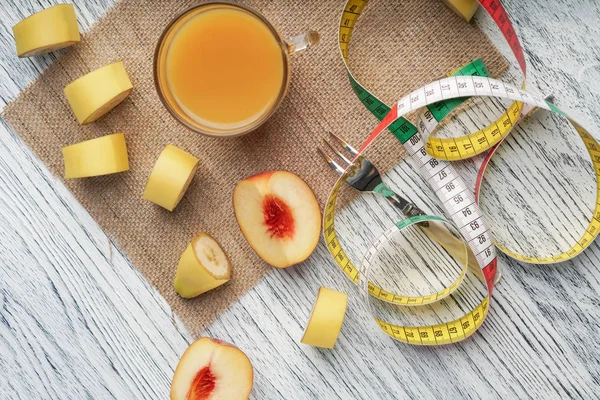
x=211 y=369
x=279 y=216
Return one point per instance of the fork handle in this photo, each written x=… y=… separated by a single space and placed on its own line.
x=406 y=207
x=440 y=234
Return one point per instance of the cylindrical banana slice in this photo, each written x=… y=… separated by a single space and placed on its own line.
x=464 y=8
x=202 y=267
x=170 y=177
x=98 y=92
x=326 y=318
x=101 y=156
x=48 y=30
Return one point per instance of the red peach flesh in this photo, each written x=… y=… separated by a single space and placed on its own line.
x=202 y=385
x=278 y=217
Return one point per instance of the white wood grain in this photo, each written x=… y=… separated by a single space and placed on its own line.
x=78 y=321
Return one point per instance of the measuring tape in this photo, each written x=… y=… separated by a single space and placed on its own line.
x=431 y=155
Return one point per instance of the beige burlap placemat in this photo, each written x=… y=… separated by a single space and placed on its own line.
x=398 y=46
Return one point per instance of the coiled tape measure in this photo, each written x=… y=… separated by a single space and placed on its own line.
x=431 y=155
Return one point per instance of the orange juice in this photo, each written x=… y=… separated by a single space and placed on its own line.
x=225 y=68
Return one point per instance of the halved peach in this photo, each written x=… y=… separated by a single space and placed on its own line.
x=211 y=369
x=279 y=216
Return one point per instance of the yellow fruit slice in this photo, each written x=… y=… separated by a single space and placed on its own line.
x=170 y=177
x=464 y=8
x=326 y=319
x=48 y=30
x=202 y=267
x=101 y=156
x=98 y=92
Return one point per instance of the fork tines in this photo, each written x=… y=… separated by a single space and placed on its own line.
x=334 y=165
x=345 y=145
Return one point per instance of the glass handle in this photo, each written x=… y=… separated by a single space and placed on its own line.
x=302 y=41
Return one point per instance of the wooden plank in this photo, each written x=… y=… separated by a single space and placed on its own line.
x=78 y=321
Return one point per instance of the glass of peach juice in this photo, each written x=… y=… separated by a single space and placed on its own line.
x=221 y=69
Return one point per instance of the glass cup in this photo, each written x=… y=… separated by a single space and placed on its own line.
x=290 y=46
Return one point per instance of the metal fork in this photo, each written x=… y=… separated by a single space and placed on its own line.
x=366 y=177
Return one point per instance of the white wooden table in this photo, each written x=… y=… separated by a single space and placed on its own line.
x=78 y=321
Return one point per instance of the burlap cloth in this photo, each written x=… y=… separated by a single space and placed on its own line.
x=398 y=46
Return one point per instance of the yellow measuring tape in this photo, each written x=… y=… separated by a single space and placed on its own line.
x=430 y=154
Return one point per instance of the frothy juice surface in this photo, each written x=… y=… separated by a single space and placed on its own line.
x=225 y=68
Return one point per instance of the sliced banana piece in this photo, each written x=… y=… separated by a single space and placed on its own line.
x=48 y=30
x=326 y=319
x=170 y=177
x=202 y=267
x=98 y=92
x=465 y=8
x=101 y=156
